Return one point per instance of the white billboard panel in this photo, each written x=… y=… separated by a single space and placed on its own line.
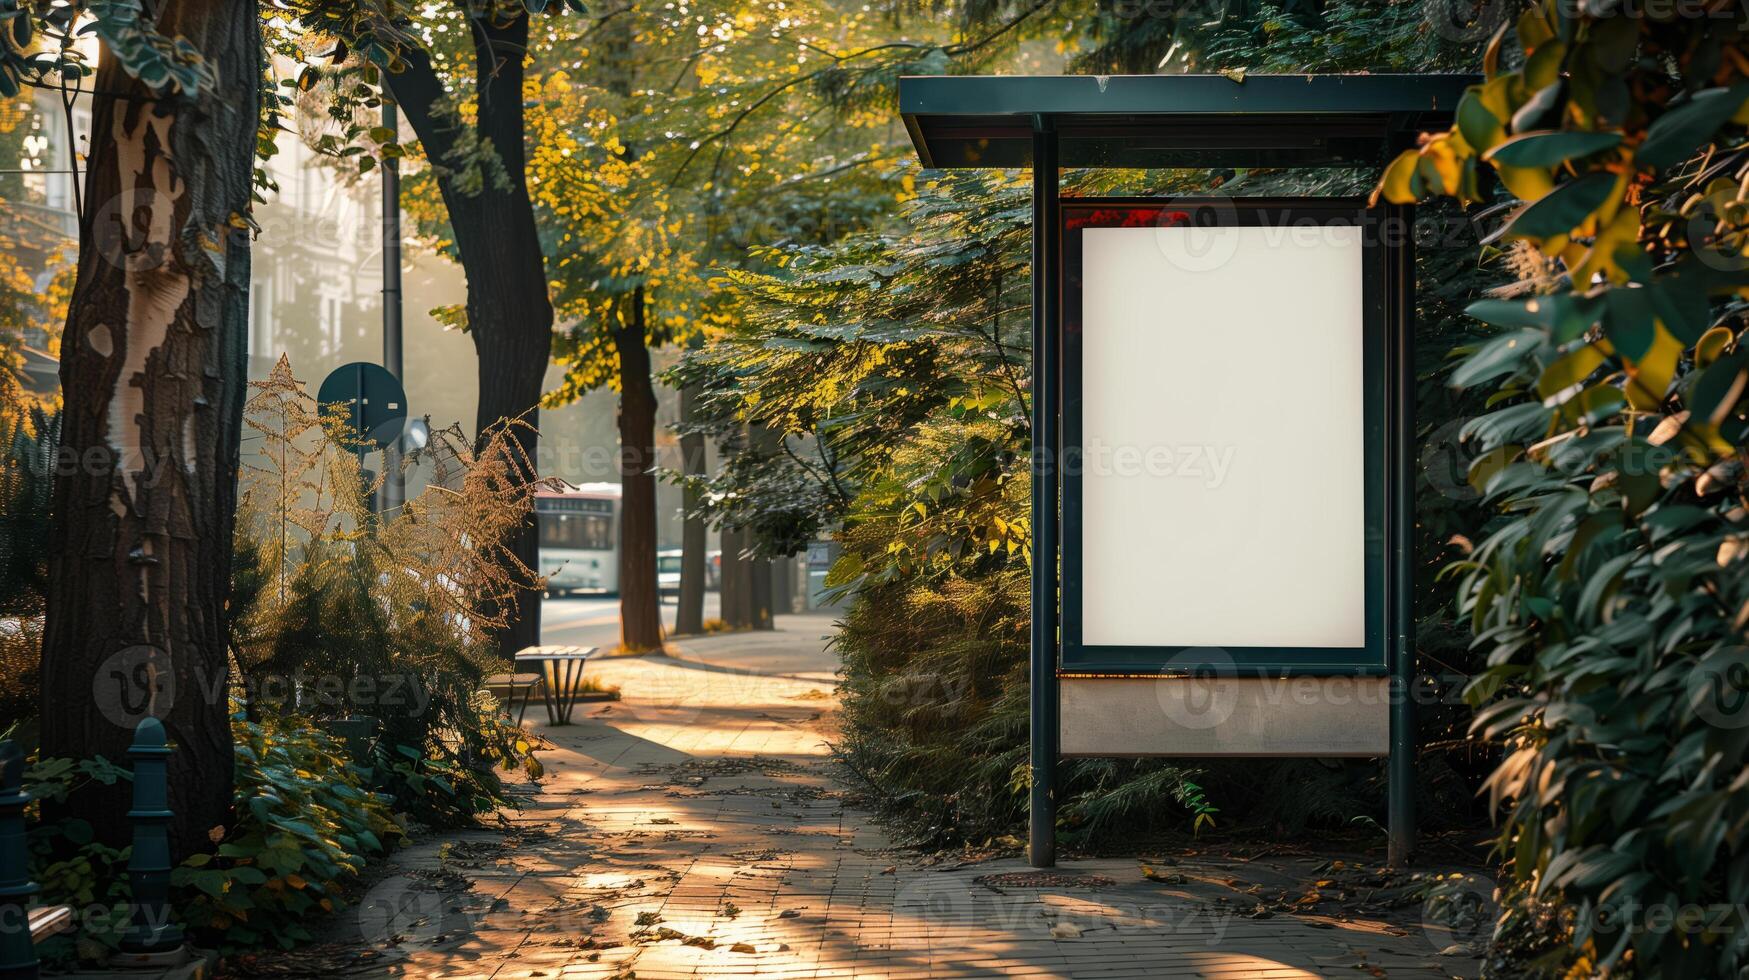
x=1223 y=437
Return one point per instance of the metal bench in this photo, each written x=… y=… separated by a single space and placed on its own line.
x=506 y=687
x=562 y=669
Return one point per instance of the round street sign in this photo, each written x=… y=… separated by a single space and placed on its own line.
x=374 y=400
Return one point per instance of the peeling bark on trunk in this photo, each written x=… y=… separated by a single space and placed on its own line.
x=640 y=611
x=689 y=617
x=510 y=316
x=153 y=374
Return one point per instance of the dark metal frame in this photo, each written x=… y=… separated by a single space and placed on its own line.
x=1173 y=120
x=1371 y=658
x=1390 y=308
x=1047 y=335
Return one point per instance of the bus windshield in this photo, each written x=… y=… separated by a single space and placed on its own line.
x=584 y=532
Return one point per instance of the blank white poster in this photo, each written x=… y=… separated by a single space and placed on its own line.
x=1223 y=437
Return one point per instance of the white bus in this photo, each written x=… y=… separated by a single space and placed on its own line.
x=579 y=538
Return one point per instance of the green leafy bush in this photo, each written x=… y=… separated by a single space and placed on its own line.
x=28 y=444
x=936 y=717
x=307 y=824
x=73 y=869
x=341 y=614
x=1609 y=594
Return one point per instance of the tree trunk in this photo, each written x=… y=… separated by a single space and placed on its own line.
x=765 y=443
x=689 y=617
x=783 y=585
x=761 y=599
x=737 y=585
x=640 y=609
x=510 y=315
x=153 y=379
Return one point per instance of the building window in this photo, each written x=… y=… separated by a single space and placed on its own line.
x=329 y=323
x=261 y=318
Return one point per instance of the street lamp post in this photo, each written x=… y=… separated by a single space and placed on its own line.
x=389 y=499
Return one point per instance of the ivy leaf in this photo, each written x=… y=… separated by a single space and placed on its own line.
x=1719 y=387
x=1479 y=126
x=1499 y=356
x=1563 y=315
x=1399 y=185
x=1539 y=107
x=1681 y=304
x=1570 y=370
x=1628 y=321
x=1489 y=465
x=1678 y=133
x=1551 y=148
x=1595 y=404
x=1563 y=209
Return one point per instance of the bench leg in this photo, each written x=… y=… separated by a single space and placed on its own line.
x=527 y=695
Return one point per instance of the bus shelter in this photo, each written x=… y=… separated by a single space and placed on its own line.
x=1223 y=418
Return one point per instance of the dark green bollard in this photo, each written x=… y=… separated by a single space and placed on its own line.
x=151 y=930
x=357 y=733
x=17 y=951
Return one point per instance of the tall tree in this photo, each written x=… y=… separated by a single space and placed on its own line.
x=640 y=619
x=457 y=73
x=689 y=614
x=616 y=172
x=153 y=380
x=736 y=597
x=508 y=313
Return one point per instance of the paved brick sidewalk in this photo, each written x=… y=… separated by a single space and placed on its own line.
x=694 y=830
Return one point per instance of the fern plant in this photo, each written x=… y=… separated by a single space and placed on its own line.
x=351 y=614
x=30 y=442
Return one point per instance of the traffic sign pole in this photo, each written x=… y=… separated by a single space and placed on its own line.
x=393 y=491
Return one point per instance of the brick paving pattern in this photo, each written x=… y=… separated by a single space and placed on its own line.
x=694 y=829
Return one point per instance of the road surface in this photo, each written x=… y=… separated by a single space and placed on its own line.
x=594 y=620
